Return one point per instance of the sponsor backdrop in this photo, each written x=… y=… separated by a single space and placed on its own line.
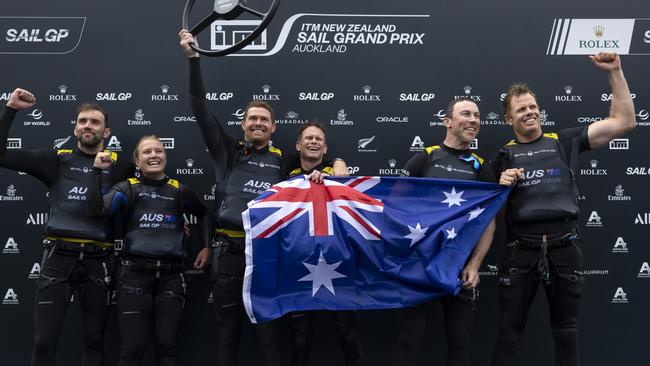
x=379 y=74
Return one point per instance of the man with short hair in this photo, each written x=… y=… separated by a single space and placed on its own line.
x=542 y=213
x=452 y=159
x=244 y=169
x=77 y=248
x=312 y=146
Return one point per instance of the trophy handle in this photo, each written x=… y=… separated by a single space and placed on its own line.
x=232 y=13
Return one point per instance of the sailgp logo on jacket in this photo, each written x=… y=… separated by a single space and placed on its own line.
x=86 y=170
x=157 y=220
x=256 y=186
x=532 y=153
x=262 y=164
x=77 y=193
x=534 y=177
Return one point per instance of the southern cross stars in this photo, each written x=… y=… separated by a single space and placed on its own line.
x=475 y=212
x=451 y=233
x=453 y=198
x=322 y=274
x=416 y=234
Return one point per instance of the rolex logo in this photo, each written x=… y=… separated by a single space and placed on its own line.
x=164 y=89
x=392 y=163
x=593 y=163
x=266 y=89
x=366 y=89
x=568 y=89
x=599 y=31
x=189 y=162
x=62 y=88
x=467 y=89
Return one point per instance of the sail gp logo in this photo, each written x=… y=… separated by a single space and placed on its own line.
x=323 y=33
x=40 y=35
x=295 y=198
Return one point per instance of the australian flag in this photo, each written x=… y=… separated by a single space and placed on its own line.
x=361 y=242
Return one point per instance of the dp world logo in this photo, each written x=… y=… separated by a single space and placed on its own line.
x=36 y=114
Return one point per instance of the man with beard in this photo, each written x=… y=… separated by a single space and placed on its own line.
x=77 y=248
x=312 y=146
x=542 y=213
x=452 y=159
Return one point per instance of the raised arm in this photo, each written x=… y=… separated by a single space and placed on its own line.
x=621 y=113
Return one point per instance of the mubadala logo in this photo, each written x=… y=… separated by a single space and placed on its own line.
x=14 y=143
x=11 y=297
x=493 y=119
x=316 y=96
x=266 y=96
x=63 y=96
x=39 y=218
x=594 y=220
x=392 y=163
x=608 y=97
x=395 y=119
x=190 y=170
x=643 y=118
x=58 y=143
x=168 y=142
x=291 y=118
x=644 y=272
x=620 y=297
x=219 y=96
x=113 y=96
x=568 y=95
x=239 y=115
x=467 y=93
x=619 y=144
x=11 y=194
x=165 y=96
x=618 y=194
x=210 y=197
x=639 y=170
x=642 y=218
x=438 y=119
x=366 y=96
x=341 y=119
x=114 y=144
x=184 y=119
x=139 y=119
x=620 y=246
x=593 y=163
x=543 y=118
x=417 y=144
x=416 y=97
x=35 y=272
x=36 y=114
x=363 y=143
x=11 y=247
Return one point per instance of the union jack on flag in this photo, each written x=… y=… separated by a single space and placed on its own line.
x=361 y=242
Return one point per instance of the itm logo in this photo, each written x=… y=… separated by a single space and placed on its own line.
x=168 y=142
x=11 y=297
x=619 y=144
x=224 y=34
x=114 y=144
x=594 y=220
x=417 y=144
x=644 y=272
x=39 y=218
x=14 y=143
x=35 y=272
x=642 y=218
x=473 y=145
x=58 y=143
x=620 y=297
x=11 y=247
x=620 y=246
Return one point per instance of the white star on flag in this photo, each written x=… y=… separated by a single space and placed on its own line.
x=453 y=198
x=451 y=233
x=322 y=274
x=416 y=234
x=475 y=212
